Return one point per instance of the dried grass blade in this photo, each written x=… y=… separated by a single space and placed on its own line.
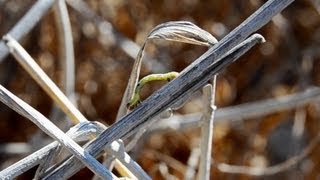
x=182 y=31
x=178 y=31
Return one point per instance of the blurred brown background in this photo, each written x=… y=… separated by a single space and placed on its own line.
x=285 y=64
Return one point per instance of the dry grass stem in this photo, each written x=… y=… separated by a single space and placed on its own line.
x=243 y=111
x=207 y=121
x=49 y=128
x=26 y=23
x=34 y=70
x=66 y=48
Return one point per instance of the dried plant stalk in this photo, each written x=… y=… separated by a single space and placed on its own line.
x=26 y=23
x=207 y=130
x=29 y=64
x=178 y=31
x=49 y=128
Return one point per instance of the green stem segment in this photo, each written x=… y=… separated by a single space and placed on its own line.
x=135 y=100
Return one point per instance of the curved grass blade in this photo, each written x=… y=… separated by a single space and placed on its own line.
x=182 y=31
x=178 y=31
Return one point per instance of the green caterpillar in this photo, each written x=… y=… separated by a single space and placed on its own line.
x=135 y=100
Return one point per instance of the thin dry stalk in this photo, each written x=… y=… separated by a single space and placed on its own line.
x=127 y=166
x=47 y=161
x=207 y=121
x=66 y=48
x=34 y=70
x=49 y=128
x=26 y=23
x=27 y=163
x=80 y=132
x=243 y=111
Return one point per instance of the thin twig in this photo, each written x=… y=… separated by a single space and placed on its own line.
x=132 y=82
x=263 y=107
x=243 y=111
x=47 y=161
x=27 y=163
x=66 y=48
x=26 y=23
x=49 y=128
x=207 y=121
x=80 y=132
x=29 y=64
x=123 y=160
